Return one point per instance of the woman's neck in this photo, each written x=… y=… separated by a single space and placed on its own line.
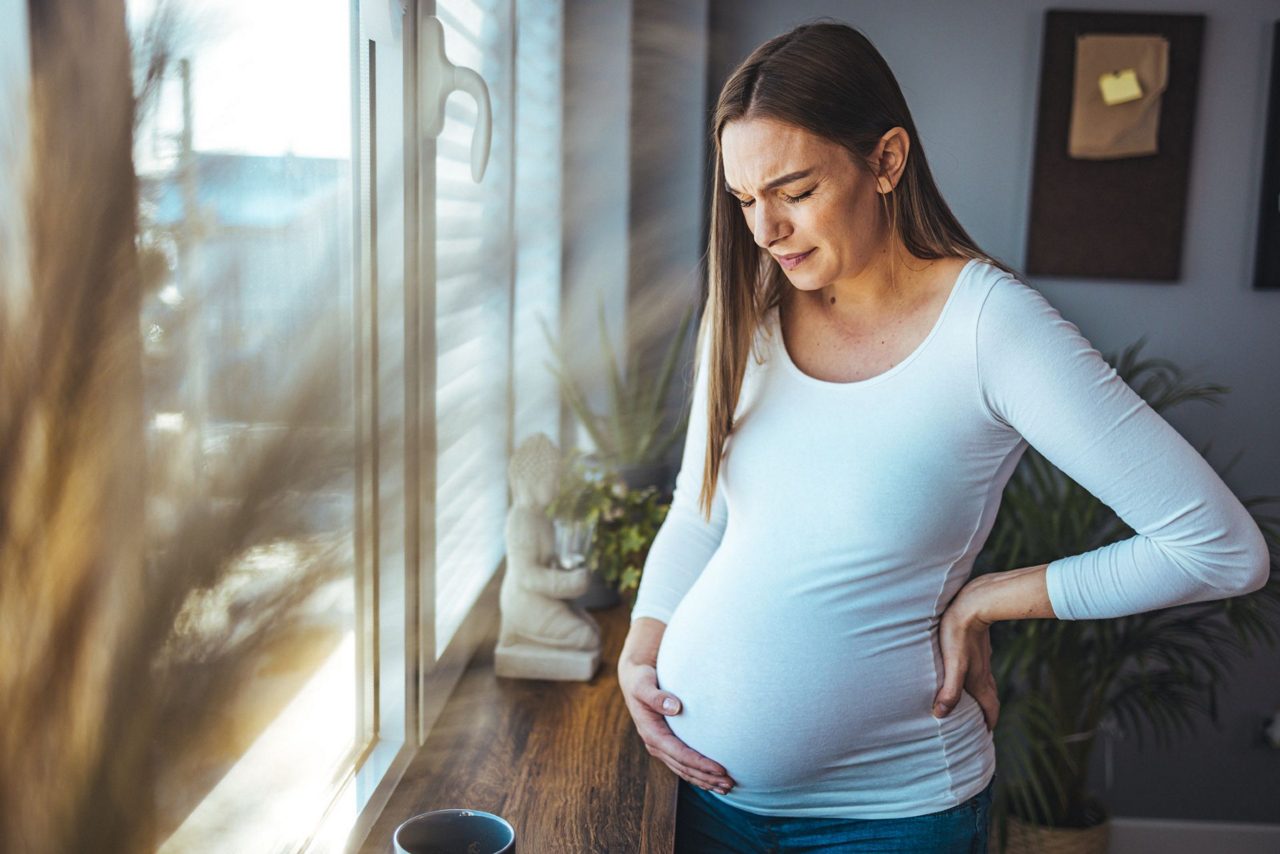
x=876 y=296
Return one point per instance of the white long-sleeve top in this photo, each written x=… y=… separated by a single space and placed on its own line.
x=802 y=619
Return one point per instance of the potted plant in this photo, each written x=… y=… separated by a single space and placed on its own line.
x=623 y=522
x=574 y=512
x=1061 y=682
x=629 y=436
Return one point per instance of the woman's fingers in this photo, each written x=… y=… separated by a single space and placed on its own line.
x=984 y=691
x=992 y=715
x=990 y=690
x=693 y=775
x=649 y=707
x=966 y=657
x=701 y=781
x=952 y=682
x=661 y=702
x=663 y=743
x=677 y=755
x=681 y=753
x=644 y=688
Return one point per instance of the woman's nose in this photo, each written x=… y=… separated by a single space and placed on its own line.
x=768 y=226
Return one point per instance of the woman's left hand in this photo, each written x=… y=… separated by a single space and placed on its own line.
x=965 y=639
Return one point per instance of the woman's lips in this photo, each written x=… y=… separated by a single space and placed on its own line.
x=790 y=262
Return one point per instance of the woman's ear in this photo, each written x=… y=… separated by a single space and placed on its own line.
x=891 y=159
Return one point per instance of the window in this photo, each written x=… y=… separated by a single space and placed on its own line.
x=283 y=174
x=246 y=220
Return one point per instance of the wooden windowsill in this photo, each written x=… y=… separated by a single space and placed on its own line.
x=561 y=761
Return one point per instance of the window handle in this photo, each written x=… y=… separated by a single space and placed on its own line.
x=437 y=78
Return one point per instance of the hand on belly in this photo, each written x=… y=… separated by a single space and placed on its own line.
x=779 y=715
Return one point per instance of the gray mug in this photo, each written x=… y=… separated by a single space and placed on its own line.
x=456 y=832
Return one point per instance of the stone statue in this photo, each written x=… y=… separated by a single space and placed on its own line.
x=542 y=636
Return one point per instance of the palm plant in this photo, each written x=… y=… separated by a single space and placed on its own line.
x=1061 y=680
x=629 y=433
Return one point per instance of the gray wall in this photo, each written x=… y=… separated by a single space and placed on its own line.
x=597 y=104
x=668 y=162
x=635 y=77
x=970 y=73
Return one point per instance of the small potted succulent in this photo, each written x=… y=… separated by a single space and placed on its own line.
x=621 y=522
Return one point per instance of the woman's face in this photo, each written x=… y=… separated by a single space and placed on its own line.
x=801 y=193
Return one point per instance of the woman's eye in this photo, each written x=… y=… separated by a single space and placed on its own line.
x=793 y=199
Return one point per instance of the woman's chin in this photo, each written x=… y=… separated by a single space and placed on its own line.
x=803 y=281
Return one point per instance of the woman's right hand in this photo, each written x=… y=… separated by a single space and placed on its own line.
x=639 y=683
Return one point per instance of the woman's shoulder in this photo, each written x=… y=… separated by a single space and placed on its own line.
x=1002 y=292
x=991 y=274
x=1014 y=314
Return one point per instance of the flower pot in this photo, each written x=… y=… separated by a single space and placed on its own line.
x=599 y=595
x=1027 y=838
x=640 y=475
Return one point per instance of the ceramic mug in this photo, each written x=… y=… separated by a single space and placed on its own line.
x=456 y=832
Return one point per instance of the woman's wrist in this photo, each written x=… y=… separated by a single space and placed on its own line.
x=643 y=640
x=1019 y=594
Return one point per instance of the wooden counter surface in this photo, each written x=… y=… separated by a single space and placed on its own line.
x=561 y=761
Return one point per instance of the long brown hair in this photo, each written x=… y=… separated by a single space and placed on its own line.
x=827 y=78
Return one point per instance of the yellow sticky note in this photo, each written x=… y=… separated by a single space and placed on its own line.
x=1119 y=87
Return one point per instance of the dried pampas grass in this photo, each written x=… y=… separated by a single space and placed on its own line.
x=120 y=643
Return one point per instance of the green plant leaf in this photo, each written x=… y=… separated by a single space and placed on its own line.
x=575 y=397
x=653 y=400
x=619 y=414
x=1154 y=673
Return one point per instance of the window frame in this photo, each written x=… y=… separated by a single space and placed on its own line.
x=430 y=674
x=426 y=676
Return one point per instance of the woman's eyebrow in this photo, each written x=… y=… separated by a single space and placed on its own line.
x=778 y=182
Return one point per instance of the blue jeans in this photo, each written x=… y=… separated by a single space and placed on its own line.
x=707 y=825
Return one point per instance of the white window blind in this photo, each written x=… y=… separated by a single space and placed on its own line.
x=497 y=273
x=539 y=108
x=474 y=269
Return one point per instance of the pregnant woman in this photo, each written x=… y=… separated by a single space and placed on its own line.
x=808 y=651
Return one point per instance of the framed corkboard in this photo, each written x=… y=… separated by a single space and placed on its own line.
x=1266 y=274
x=1122 y=218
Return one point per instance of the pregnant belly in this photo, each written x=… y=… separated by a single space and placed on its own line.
x=781 y=695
